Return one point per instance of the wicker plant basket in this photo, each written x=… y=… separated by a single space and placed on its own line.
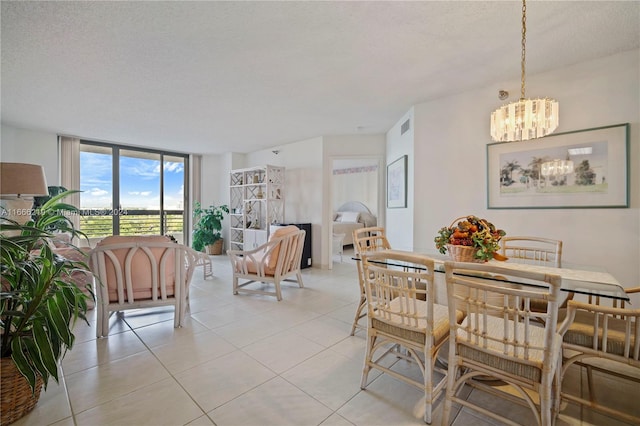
x=17 y=399
x=215 y=248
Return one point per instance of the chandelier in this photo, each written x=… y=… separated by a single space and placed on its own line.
x=556 y=168
x=527 y=118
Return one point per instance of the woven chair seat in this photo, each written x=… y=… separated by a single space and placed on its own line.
x=413 y=334
x=581 y=333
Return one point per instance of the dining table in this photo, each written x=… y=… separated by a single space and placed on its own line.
x=577 y=279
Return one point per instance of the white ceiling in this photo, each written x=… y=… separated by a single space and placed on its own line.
x=214 y=77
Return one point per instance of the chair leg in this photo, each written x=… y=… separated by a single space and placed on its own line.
x=450 y=391
x=367 y=360
x=278 y=290
x=299 y=275
x=592 y=397
x=428 y=390
x=102 y=327
x=557 y=388
x=361 y=306
x=235 y=285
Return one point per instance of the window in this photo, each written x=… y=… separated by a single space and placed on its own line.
x=130 y=191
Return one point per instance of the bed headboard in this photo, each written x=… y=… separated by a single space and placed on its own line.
x=366 y=216
x=353 y=206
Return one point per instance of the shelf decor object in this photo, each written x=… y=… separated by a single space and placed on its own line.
x=256 y=200
x=526 y=118
x=581 y=169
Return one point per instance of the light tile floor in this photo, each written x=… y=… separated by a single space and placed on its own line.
x=251 y=360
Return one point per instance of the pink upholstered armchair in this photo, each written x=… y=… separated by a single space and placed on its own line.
x=141 y=271
x=273 y=262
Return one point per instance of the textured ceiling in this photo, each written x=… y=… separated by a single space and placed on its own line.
x=214 y=77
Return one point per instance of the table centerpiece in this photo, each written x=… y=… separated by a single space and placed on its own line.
x=470 y=239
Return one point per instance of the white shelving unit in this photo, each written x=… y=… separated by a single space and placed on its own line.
x=256 y=201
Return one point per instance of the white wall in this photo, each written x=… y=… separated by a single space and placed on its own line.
x=33 y=147
x=356 y=185
x=451 y=136
x=400 y=221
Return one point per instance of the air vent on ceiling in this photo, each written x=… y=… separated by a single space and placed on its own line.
x=405 y=127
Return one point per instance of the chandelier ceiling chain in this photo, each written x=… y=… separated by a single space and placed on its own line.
x=526 y=118
x=524 y=47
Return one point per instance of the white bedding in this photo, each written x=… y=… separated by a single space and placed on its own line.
x=346 y=228
x=350 y=216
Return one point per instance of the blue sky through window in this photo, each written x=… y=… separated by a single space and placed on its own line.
x=139 y=180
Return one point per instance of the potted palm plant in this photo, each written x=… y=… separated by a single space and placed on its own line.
x=207 y=229
x=39 y=305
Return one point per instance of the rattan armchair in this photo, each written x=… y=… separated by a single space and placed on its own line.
x=403 y=320
x=366 y=240
x=535 y=251
x=593 y=331
x=273 y=262
x=502 y=338
x=532 y=250
x=140 y=272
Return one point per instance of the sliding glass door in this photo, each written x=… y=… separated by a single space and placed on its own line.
x=129 y=191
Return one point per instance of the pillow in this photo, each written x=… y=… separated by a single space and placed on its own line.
x=350 y=217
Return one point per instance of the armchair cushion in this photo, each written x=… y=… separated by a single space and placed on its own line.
x=268 y=256
x=272 y=258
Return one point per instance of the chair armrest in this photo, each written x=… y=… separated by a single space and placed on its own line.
x=240 y=259
x=632 y=290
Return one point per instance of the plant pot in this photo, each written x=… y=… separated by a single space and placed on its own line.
x=215 y=248
x=16 y=397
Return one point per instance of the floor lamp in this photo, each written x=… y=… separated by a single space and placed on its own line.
x=19 y=183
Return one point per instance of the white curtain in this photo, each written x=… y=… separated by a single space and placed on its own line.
x=195 y=180
x=70 y=170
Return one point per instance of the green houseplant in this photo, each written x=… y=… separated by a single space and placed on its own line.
x=207 y=229
x=39 y=304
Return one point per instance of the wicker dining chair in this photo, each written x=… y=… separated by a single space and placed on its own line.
x=594 y=331
x=403 y=321
x=366 y=240
x=535 y=251
x=501 y=338
x=532 y=250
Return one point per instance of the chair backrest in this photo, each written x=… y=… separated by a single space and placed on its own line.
x=533 y=250
x=284 y=250
x=603 y=331
x=140 y=268
x=498 y=317
x=370 y=239
x=396 y=295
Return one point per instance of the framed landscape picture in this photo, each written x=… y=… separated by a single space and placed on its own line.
x=581 y=169
x=397 y=183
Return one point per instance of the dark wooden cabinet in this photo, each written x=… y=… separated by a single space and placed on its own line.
x=306 y=251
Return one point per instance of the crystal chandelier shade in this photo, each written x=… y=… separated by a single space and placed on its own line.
x=556 y=168
x=527 y=118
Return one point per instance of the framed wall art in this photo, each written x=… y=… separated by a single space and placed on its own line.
x=397 y=183
x=582 y=169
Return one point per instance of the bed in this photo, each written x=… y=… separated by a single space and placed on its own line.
x=350 y=216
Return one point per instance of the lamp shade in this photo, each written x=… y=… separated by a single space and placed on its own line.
x=22 y=179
